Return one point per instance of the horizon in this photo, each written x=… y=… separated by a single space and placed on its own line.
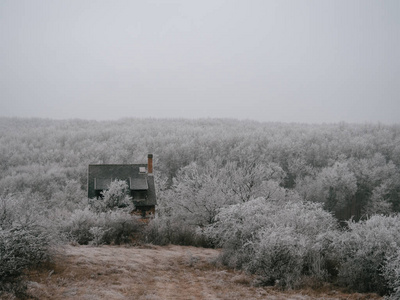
x=122 y=119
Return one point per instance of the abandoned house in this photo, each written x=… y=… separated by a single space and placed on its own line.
x=139 y=178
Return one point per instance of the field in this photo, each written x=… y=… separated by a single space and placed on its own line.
x=154 y=272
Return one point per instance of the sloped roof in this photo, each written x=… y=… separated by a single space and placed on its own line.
x=139 y=183
x=102 y=183
x=100 y=177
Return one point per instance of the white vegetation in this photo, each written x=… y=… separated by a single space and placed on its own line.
x=198 y=193
x=117 y=196
x=270 y=194
x=24 y=242
x=278 y=239
x=90 y=227
x=43 y=157
x=366 y=251
x=391 y=272
x=104 y=221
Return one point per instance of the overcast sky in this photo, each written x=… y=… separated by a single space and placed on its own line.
x=289 y=61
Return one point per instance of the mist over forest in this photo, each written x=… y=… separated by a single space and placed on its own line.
x=322 y=192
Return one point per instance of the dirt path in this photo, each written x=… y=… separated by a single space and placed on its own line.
x=151 y=273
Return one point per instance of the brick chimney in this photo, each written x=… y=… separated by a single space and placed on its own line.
x=150 y=164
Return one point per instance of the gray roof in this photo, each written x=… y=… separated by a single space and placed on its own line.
x=139 y=184
x=100 y=177
x=102 y=183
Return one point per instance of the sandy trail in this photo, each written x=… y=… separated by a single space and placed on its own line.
x=152 y=273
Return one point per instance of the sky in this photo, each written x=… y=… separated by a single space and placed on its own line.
x=307 y=61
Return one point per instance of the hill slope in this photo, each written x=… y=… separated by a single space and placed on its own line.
x=152 y=272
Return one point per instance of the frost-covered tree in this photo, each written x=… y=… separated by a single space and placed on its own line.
x=199 y=192
x=117 y=196
x=278 y=239
x=364 y=250
x=334 y=186
x=377 y=188
x=391 y=272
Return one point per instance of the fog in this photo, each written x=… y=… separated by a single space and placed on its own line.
x=287 y=61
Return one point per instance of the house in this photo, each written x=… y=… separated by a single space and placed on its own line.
x=139 y=178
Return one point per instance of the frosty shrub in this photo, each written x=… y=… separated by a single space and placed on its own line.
x=278 y=241
x=363 y=250
x=164 y=231
x=119 y=227
x=391 y=273
x=112 y=227
x=24 y=242
x=97 y=234
x=104 y=221
x=116 y=197
x=77 y=226
x=20 y=248
x=277 y=256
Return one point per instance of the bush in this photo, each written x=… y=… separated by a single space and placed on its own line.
x=20 y=248
x=362 y=251
x=104 y=221
x=277 y=241
x=164 y=231
x=24 y=243
x=277 y=256
x=119 y=227
x=115 y=198
x=112 y=227
x=391 y=272
x=77 y=227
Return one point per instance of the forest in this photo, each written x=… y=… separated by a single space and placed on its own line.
x=287 y=202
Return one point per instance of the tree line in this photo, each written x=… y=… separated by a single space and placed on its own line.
x=353 y=169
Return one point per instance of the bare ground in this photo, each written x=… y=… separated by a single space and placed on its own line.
x=154 y=273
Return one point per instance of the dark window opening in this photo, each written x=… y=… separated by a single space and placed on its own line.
x=99 y=194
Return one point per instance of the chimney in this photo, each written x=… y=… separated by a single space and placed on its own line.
x=150 y=164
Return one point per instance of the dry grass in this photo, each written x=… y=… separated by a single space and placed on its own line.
x=153 y=273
